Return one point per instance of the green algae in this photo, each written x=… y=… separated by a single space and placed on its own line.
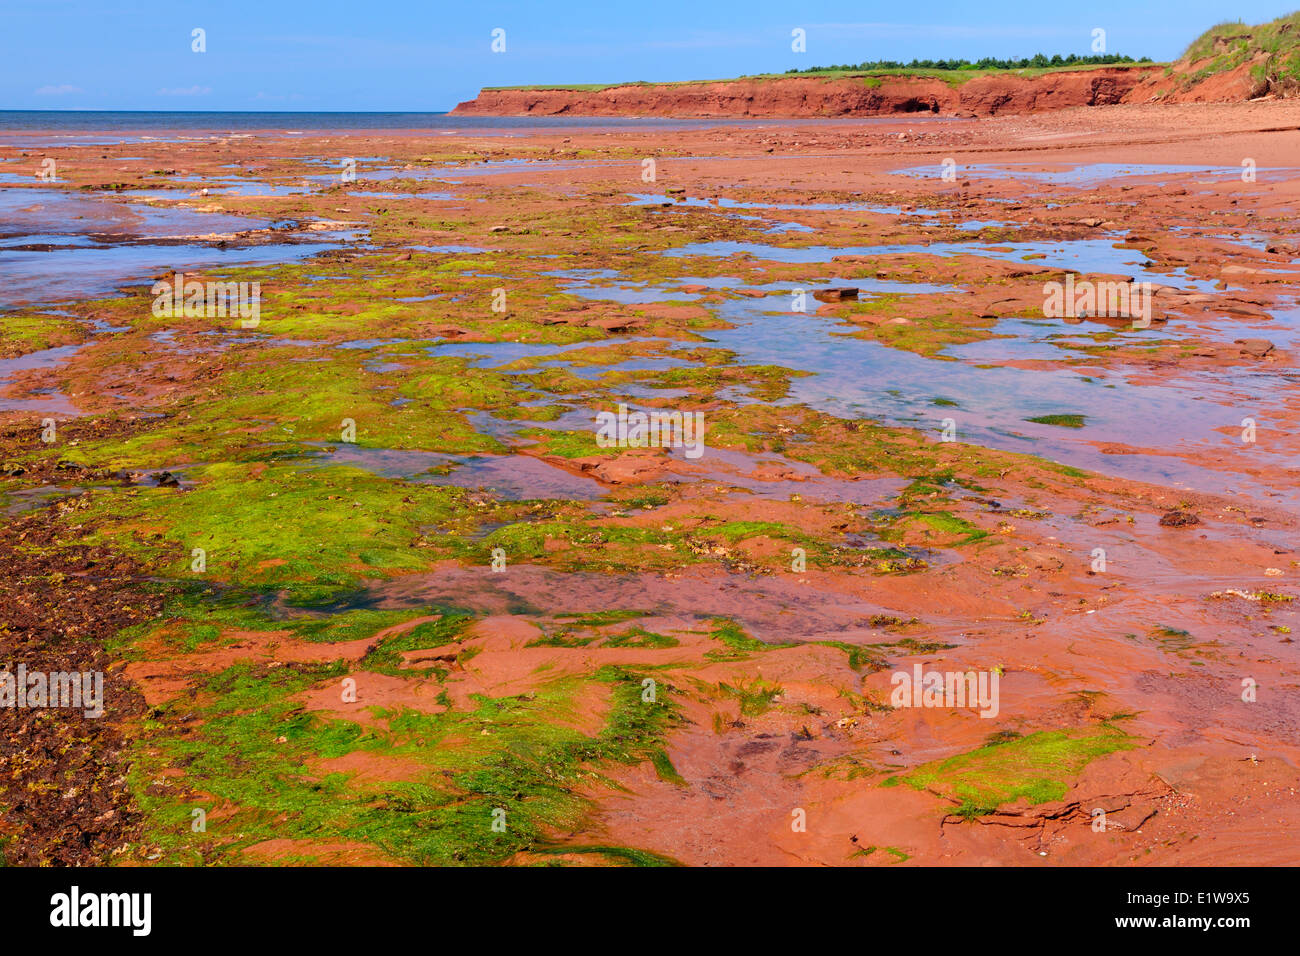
x=738 y=644
x=386 y=657
x=1036 y=768
x=273 y=400
x=640 y=637
x=279 y=526
x=567 y=444
x=22 y=333
x=198 y=615
x=950 y=526
x=254 y=763
x=1070 y=420
x=601 y=618
x=578 y=545
x=614 y=855
x=899 y=856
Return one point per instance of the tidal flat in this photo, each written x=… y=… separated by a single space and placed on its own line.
x=366 y=588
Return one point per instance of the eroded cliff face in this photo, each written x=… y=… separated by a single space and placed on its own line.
x=812 y=96
x=1179 y=85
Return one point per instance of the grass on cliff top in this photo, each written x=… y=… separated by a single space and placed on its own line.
x=952 y=77
x=955 y=77
x=1229 y=45
x=1268 y=37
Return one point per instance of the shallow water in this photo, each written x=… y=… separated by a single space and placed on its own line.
x=726 y=466
x=492 y=354
x=105 y=127
x=96 y=244
x=850 y=376
x=772 y=607
x=50 y=403
x=1083 y=174
x=69 y=272
x=238 y=186
x=722 y=202
x=858 y=378
x=513 y=477
x=641 y=293
x=421 y=195
x=26 y=212
x=1088 y=256
x=468 y=250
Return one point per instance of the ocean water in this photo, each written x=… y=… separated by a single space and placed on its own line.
x=107 y=127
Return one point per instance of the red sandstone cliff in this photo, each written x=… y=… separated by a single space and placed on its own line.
x=813 y=96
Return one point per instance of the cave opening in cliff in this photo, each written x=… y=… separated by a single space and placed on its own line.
x=914 y=105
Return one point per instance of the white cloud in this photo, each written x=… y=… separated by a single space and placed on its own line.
x=186 y=91
x=64 y=89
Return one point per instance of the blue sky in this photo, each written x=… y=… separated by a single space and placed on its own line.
x=429 y=55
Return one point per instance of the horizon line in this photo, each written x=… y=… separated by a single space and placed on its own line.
x=70 y=109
